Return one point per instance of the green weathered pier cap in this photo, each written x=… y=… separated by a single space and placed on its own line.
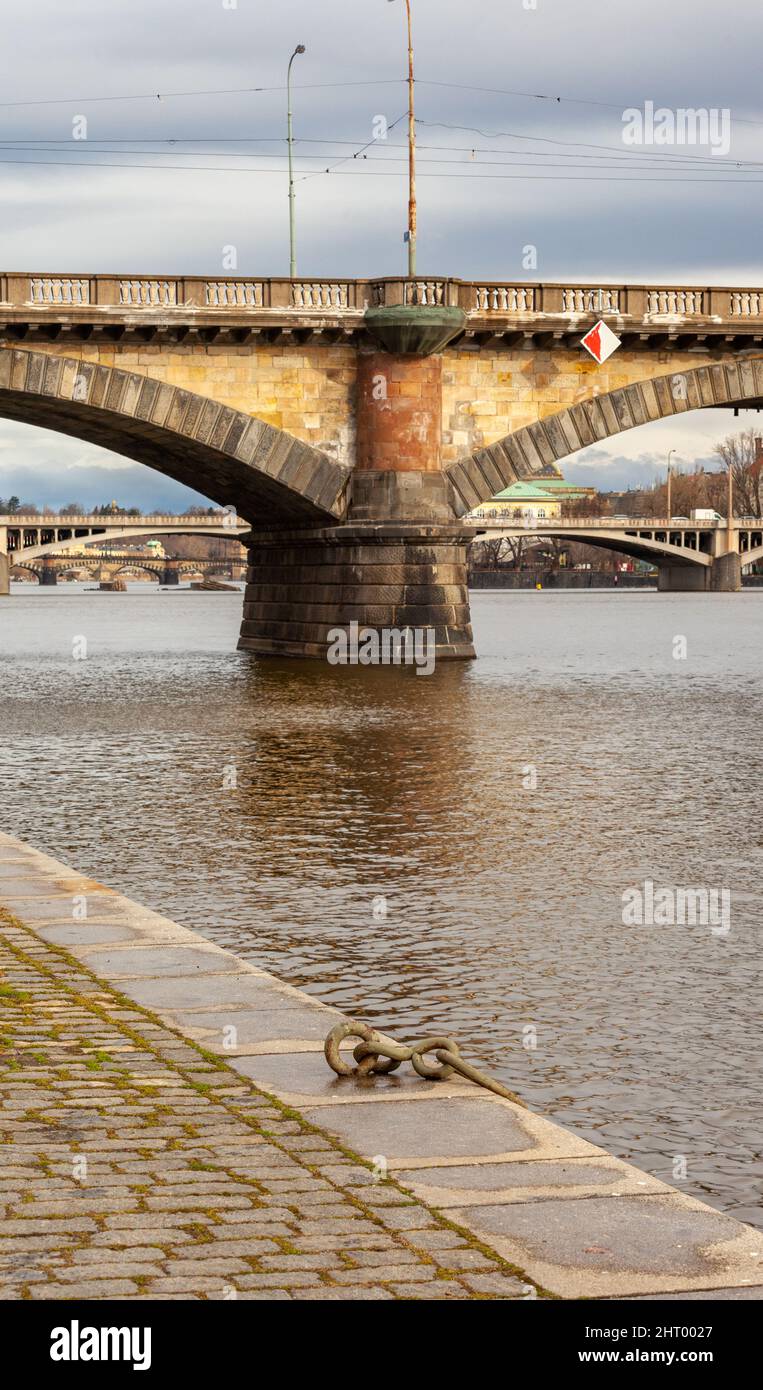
x=417 y=329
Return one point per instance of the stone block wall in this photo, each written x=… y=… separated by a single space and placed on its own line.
x=490 y=393
x=308 y=392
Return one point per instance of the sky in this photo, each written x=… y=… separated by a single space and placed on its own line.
x=522 y=98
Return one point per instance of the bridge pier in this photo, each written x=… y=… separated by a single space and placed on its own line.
x=48 y=571
x=400 y=559
x=302 y=585
x=726 y=573
x=171 y=573
x=5 y=574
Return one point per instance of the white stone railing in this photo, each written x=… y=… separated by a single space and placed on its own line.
x=599 y=300
x=51 y=290
x=425 y=292
x=148 y=292
x=279 y=300
x=679 y=302
x=247 y=294
x=320 y=294
x=746 y=304
x=504 y=299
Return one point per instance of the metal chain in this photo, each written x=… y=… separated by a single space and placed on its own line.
x=376 y=1055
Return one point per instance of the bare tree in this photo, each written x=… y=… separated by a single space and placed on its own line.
x=743 y=454
x=489 y=553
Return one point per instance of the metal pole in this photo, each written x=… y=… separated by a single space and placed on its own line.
x=670 y=480
x=290 y=140
x=730 y=518
x=412 y=211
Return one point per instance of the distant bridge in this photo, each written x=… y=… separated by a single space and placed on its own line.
x=35 y=536
x=688 y=554
x=166 y=570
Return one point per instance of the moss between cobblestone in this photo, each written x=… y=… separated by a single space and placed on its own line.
x=287 y=1112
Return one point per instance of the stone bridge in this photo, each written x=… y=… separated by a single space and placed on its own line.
x=354 y=424
x=689 y=555
x=168 y=570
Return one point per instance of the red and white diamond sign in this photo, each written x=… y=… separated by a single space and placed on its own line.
x=601 y=342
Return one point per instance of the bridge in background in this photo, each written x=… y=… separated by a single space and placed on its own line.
x=107 y=564
x=32 y=541
x=689 y=555
x=355 y=424
x=35 y=536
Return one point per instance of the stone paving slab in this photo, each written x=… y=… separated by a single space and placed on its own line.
x=596 y=1246
x=485 y=1184
x=254 y=1151
x=476 y=1126
x=260 y=1031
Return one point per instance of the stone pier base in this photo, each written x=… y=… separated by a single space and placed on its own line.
x=48 y=574
x=5 y=574
x=303 y=584
x=726 y=574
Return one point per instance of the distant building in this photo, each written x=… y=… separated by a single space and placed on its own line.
x=540 y=500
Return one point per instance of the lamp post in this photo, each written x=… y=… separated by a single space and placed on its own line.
x=730 y=537
x=412 y=212
x=290 y=140
x=671 y=452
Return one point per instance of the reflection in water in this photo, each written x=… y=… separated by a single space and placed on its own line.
x=503 y=903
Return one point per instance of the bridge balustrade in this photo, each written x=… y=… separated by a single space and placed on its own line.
x=44 y=292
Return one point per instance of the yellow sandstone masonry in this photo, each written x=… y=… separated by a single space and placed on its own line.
x=487 y=394
x=312 y=392
x=309 y=393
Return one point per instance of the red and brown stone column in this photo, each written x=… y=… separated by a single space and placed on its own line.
x=399 y=560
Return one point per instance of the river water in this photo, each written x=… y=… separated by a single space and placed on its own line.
x=500 y=808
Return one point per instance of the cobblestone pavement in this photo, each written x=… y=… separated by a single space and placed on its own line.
x=133 y=1165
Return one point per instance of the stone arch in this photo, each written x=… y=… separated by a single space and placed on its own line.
x=131 y=565
x=29 y=569
x=525 y=452
x=234 y=458
x=74 y=568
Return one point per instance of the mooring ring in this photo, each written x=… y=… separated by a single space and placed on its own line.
x=426 y=1069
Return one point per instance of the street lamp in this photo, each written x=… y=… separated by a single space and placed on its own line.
x=412 y=218
x=292 y=235
x=670 y=479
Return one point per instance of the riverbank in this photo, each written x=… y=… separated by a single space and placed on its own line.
x=175 y=1132
x=507 y=579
